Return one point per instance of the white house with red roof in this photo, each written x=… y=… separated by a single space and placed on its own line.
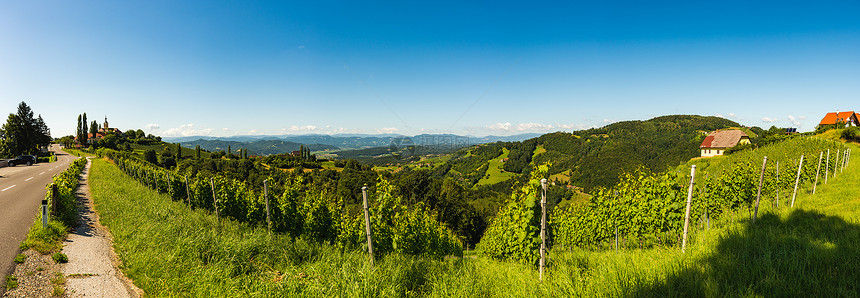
x=717 y=142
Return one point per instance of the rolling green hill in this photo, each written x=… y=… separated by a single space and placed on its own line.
x=594 y=157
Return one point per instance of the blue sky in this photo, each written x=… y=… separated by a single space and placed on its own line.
x=178 y=68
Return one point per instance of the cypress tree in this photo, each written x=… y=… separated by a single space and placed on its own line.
x=84 y=131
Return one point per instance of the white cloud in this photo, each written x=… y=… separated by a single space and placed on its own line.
x=302 y=128
x=520 y=127
x=769 y=119
x=729 y=116
x=573 y=127
x=186 y=130
x=254 y=132
x=387 y=130
x=301 y=47
x=533 y=126
x=500 y=126
x=152 y=126
x=794 y=120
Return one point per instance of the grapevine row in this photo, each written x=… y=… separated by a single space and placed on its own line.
x=300 y=213
x=648 y=208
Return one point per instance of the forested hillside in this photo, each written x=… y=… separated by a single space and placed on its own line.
x=594 y=157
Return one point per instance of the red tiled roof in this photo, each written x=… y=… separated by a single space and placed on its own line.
x=723 y=139
x=831 y=118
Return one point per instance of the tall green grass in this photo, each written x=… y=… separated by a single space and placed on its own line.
x=169 y=250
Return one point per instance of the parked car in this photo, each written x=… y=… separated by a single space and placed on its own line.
x=22 y=159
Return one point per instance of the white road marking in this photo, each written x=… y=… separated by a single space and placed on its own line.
x=28 y=179
x=8 y=188
x=41 y=173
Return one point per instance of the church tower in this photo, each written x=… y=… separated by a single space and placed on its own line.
x=105 y=127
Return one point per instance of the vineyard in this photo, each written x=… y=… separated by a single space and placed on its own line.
x=647 y=209
x=303 y=213
x=313 y=249
x=643 y=210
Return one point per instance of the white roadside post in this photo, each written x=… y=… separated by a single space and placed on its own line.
x=44 y=214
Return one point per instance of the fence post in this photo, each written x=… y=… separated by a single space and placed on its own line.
x=268 y=213
x=827 y=167
x=707 y=217
x=760 y=181
x=797 y=180
x=836 y=163
x=54 y=198
x=689 y=200
x=844 y=161
x=214 y=198
x=777 y=184
x=818 y=169
x=187 y=193
x=543 y=229
x=367 y=224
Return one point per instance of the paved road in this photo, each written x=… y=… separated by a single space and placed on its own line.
x=22 y=189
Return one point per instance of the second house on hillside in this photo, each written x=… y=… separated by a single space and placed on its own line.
x=840 y=119
x=717 y=142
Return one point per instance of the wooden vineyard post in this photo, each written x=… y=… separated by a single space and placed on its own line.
x=844 y=161
x=169 y=185
x=689 y=201
x=777 y=184
x=616 y=236
x=543 y=229
x=817 y=171
x=268 y=213
x=214 y=198
x=367 y=224
x=827 y=167
x=53 y=198
x=758 y=194
x=836 y=163
x=797 y=180
x=187 y=192
x=707 y=217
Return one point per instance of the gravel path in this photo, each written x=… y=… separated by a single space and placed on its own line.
x=92 y=267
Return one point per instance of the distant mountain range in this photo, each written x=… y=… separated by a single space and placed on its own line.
x=274 y=144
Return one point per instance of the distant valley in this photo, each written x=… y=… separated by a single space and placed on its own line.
x=264 y=145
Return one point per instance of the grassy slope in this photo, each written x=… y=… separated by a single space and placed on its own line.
x=495 y=173
x=169 y=250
